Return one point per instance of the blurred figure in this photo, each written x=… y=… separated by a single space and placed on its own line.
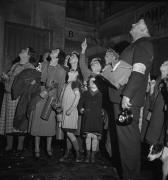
x=156 y=135
x=157 y=111
x=145 y=109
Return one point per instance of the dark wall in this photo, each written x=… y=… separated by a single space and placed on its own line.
x=160 y=54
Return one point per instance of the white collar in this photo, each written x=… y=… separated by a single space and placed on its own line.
x=115 y=67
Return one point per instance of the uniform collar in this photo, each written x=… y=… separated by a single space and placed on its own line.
x=116 y=65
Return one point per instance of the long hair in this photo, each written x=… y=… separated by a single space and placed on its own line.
x=78 y=67
x=61 y=57
x=34 y=56
x=98 y=59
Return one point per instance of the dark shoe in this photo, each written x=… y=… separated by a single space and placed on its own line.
x=8 y=152
x=78 y=158
x=64 y=158
x=87 y=159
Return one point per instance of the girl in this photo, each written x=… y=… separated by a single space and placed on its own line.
x=90 y=105
x=70 y=99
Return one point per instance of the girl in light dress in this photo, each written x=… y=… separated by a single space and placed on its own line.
x=70 y=99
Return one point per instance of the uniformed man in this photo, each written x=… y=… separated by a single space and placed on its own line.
x=139 y=54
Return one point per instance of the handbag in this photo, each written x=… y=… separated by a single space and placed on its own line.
x=125 y=117
x=59 y=131
x=59 y=117
x=57 y=108
x=46 y=111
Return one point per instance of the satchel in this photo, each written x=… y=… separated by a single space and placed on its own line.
x=46 y=111
x=125 y=117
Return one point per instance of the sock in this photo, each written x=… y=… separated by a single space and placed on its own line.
x=94 y=143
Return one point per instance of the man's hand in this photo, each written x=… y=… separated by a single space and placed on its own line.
x=126 y=103
x=84 y=46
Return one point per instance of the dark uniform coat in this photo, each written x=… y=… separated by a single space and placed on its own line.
x=139 y=54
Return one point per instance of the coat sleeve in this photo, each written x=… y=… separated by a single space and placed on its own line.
x=17 y=86
x=61 y=81
x=44 y=71
x=142 y=62
x=83 y=66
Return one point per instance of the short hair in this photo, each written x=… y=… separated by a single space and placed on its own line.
x=95 y=59
x=89 y=78
x=98 y=59
x=34 y=56
x=76 y=53
x=112 y=51
x=61 y=57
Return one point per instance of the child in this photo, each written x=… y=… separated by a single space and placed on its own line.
x=90 y=106
x=70 y=99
